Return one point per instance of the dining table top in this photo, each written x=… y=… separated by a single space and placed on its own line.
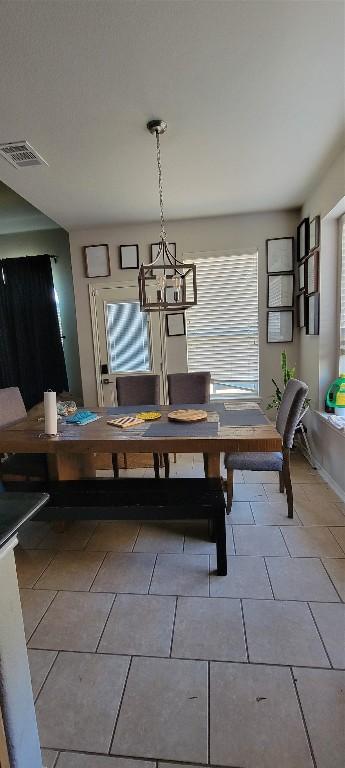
x=27 y=435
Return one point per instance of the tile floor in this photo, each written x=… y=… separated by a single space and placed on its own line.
x=141 y=656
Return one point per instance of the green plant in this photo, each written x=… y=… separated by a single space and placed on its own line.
x=288 y=373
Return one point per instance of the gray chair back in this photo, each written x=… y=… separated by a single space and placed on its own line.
x=138 y=389
x=290 y=410
x=12 y=408
x=189 y=387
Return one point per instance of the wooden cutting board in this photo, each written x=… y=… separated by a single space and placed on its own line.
x=187 y=416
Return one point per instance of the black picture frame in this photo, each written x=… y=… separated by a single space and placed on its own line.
x=280 y=255
x=277 y=281
x=312 y=272
x=301 y=276
x=301 y=310
x=314 y=233
x=129 y=256
x=97 y=260
x=178 y=320
x=313 y=314
x=303 y=239
x=281 y=338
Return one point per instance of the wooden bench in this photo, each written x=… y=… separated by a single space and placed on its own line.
x=137 y=499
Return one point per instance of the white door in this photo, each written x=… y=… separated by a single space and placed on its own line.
x=126 y=340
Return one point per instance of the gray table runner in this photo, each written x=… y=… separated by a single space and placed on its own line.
x=228 y=417
x=174 y=429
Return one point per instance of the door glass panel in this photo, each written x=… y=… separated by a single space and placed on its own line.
x=128 y=342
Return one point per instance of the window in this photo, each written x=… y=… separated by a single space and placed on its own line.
x=128 y=342
x=342 y=297
x=222 y=329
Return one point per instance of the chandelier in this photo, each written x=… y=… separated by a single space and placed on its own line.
x=166 y=283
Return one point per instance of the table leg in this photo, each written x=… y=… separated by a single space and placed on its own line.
x=71 y=466
x=213 y=465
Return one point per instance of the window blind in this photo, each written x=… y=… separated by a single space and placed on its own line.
x=342 y=296
x=222 y=329
x=127 y=337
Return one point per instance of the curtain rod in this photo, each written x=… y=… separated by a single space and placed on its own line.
x=55 y=258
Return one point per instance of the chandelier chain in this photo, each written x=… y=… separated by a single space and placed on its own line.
x=160 y=187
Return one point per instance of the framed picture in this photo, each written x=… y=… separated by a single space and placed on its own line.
x=312 y=272
x=129 y=256
x=280 y=326
x=301 y=277
x=176 y=324
x=302 y=239
x=314 y=233
x=313 y=314
x=154 y=253
x=279 y=254
x=280 y=290
x=97 y=263
x=301 y=310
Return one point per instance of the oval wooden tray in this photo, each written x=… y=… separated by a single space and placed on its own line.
x=186 y=416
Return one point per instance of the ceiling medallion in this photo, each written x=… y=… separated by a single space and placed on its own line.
x=166 y=284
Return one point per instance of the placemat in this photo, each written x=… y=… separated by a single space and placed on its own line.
x=248 y=417
x=172 y=429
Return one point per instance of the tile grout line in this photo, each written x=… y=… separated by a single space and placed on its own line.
x=152 y=574
x=320 y=636
x=44 y=569
x=97 y=572
x=106 y=621
x=330 y=578
x=244 y=632
x=335 y=539
x=46 y=676
x=173 y=628
x=184 y=658
x=294 y=683
x=27 y=640
x=269 y=578
x=120 y=706
x=137 y=536
x=208 y=712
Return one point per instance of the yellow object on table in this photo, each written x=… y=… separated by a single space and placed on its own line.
x=149 y=415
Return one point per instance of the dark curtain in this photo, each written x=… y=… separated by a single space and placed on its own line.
x=31 y=352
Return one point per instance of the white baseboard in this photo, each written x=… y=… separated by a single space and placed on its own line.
x=325 y=476
x=329 y=480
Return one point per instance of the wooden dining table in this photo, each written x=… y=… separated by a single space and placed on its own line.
x=71 y=454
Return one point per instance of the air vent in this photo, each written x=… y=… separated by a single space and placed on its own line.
x=21 y=154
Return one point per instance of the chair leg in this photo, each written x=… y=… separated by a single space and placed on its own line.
x=206 y=464
x=220 y=529
x=166 y=464
x=281 y=482
x=156 y=465
x=287 y=481
x=115 y=463
x=229 y=489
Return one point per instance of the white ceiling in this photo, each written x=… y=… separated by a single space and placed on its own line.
x=253 y=93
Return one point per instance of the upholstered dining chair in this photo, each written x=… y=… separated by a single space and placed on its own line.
x=20 y=466
x=184 y=389
x=139 y=389
x=288 y=417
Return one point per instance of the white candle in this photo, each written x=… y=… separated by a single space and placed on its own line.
x=50 y=413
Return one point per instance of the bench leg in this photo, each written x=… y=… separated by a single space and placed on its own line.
x=115 y=463
x=222 y=564
x=166 y=464
x=211 y=530
x=156 y=465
